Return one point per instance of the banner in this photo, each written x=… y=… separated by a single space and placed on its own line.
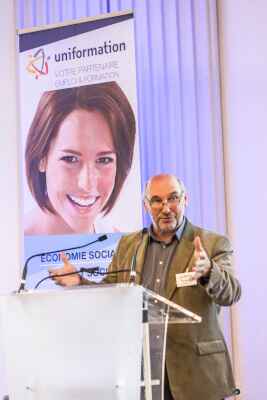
x=79 y=140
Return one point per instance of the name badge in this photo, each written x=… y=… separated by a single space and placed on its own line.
x=186 y=279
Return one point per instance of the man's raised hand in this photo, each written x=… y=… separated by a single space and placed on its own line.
x=201 y=261
x=69 y=280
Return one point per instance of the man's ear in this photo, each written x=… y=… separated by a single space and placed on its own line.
x=146 y=205
x=42 y=165
x=186 y=200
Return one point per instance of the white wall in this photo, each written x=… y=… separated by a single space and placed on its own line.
x=9 y=205
x=243 y=51
x=9 y=215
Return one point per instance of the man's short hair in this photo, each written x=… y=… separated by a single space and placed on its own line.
x=180 y=182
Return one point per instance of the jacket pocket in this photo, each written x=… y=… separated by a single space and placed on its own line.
x=213 y=346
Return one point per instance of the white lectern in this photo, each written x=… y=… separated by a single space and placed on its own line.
x=103 y=342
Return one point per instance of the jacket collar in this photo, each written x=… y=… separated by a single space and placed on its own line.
x=180 y=259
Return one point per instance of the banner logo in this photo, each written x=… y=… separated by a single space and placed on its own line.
x=38 y=64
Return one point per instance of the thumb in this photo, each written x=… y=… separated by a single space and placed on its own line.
x=197 y=244
x=64 y=258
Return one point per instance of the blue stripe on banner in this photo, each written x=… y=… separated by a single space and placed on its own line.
x=32 y=40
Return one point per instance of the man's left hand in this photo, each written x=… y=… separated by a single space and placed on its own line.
x=201 y=261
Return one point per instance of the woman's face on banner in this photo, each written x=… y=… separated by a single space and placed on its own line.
x=80 y=169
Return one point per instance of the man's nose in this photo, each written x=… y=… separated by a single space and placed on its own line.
x=88 y=177
x=165 y=206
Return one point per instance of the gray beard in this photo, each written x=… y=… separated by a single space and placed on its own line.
x=169 y=230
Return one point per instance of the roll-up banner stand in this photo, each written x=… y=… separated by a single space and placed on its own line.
x=80 y=168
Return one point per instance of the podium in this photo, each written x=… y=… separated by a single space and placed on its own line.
x=100 y=342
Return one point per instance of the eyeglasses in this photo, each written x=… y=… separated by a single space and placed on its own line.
x=157 y=203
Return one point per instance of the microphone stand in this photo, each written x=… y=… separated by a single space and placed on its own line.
x=25 y=268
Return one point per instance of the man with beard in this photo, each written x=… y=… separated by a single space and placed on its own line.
x=197 y=360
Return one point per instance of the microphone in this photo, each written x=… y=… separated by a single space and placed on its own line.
x=25 y=268
x=87 y=270
x=78 y=271
x=133 y=261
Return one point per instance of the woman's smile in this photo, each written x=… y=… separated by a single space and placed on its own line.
x=83 y=201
